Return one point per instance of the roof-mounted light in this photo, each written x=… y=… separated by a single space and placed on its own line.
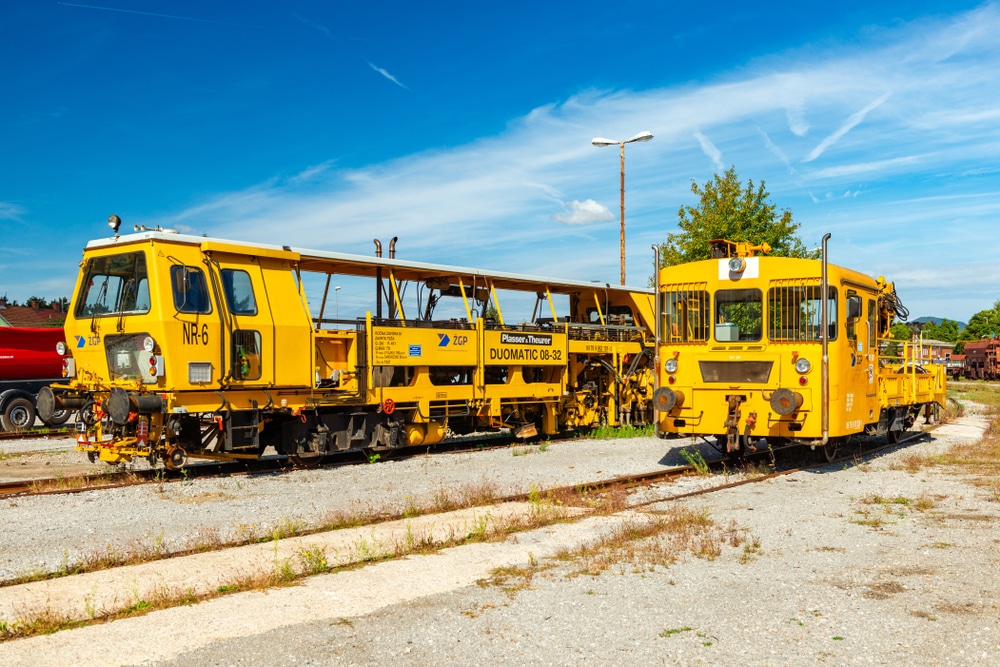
x=114 y=222
x=737 y=264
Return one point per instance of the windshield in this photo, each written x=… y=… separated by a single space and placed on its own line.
x=114 y=284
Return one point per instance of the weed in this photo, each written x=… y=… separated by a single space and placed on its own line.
x=512 y=579
x=542 y=446
x=670 y=632
x=141 y=605
x=644 y=544
x=696 y=461
x=313 y=560
x=288 y=527
x=605 y=432
x=533 y=495
x=374 y=458
x=479 y=526
x=751 y=549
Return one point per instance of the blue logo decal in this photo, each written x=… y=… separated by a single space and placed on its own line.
x=80 y=341
x=444 y=340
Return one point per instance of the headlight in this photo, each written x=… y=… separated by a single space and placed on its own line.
x=670 y=365
x=148 y=344
x=737 y=264
x=802 y=365
x=61 y=348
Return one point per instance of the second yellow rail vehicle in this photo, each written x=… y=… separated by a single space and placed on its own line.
x=756 y=351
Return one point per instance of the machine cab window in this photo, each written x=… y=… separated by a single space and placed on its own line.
x=739 y=315
x=113 y=285
x=239 y=292
x=190 y=290
x=795 y=312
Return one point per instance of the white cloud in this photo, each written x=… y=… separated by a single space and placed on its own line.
x=778 y=153
x=851 y=123
x=386 y=74
x=709 y=149
x=935 y=135
x=584 y=213
x=10 y=211
x=796 y=121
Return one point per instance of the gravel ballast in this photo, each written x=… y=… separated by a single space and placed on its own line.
x=827 y=584
x=45 y=533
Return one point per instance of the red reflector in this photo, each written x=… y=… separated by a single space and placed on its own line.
x=803 y=380
x=671 y=379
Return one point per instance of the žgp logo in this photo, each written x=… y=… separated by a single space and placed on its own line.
x=443 y=340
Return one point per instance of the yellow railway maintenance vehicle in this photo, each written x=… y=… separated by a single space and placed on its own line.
x=187 y=346
x=758 y=351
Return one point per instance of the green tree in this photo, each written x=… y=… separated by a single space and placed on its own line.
x=946 y=331
x=42 y=302
x=900 y=332
x=727 y=210
x=983 y=324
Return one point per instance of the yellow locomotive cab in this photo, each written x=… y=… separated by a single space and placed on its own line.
x=761 y=351
x=188 y=346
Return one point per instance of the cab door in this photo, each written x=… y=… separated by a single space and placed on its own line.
x=858 y=362
x=248 y=329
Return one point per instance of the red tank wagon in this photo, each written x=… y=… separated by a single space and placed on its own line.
x=28 y=362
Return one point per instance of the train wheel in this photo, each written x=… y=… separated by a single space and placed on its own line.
x=894 y=436
x=176 y=458
x=307 y=460
x=18 y=415
x=828 y=452
x=58 y=418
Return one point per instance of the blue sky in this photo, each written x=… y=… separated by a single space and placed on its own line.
x=464 y=129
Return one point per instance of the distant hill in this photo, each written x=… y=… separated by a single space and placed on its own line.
x=935 y=320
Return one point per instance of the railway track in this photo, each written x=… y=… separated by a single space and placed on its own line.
x=36 y=433
x=120 y=479
x=112 y=478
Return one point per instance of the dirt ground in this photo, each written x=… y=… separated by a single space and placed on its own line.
x=34 y=465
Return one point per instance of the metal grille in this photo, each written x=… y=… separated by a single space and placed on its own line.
x=685 y=313
x=795 y=308
x=246 y=355
x=735 y=372
x=199 y=372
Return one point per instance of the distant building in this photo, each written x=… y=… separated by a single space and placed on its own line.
x=933 y=351
x=31 y=316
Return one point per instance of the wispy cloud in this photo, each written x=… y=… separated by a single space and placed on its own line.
x=780 y=154
x=10 y=211
x=386 y=75
x=709 y=149
x=851 y=123
x=584 y=213
x=154 y=14
x=312 y=24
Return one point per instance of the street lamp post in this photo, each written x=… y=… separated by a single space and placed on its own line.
x=336 y=294
x=601 y=142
